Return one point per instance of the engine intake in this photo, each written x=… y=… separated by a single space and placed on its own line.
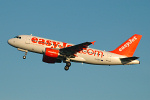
x=51 y=55
x=51 y=52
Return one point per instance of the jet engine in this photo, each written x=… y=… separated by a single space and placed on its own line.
x=51 y=52
x=50 y=55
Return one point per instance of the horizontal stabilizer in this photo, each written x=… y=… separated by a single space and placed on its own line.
x=129 y=58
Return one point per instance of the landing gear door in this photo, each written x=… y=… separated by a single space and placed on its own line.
x=28 y=40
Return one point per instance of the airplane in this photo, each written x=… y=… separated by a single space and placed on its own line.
x=56 y=52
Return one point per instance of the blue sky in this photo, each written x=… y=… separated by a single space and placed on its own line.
x=108 y=22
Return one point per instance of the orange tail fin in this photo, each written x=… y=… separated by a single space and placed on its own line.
x=128 y=47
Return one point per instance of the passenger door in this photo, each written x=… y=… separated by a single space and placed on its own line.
x=28 y=40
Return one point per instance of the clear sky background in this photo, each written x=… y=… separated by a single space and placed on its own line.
x=108 y=22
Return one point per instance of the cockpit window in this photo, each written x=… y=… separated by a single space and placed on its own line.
x=17 y=37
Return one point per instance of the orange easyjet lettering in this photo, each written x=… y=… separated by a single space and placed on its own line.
x=34 y=40
x=48 y=43
x=41 y=41
x=57 y=44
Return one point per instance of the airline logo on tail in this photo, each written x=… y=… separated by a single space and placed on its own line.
x=128 y=47
x=130 y=41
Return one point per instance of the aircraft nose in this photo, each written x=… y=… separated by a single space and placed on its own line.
x=10 y=41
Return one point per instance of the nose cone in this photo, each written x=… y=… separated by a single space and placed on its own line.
x=10 y=41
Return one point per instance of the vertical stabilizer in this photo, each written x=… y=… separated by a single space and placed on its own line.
x=128 y=47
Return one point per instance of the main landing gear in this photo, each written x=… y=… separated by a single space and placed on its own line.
x=68 y=64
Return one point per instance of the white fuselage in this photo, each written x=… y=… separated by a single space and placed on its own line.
x=89 y=55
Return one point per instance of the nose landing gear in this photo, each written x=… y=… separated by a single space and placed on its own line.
x=24 y=57
x=26 y=51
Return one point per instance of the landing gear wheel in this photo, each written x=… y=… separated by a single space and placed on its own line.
x=68 y=64
x=66 y=68
x=24 y=57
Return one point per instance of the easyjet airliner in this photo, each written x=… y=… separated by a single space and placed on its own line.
x=56 y=51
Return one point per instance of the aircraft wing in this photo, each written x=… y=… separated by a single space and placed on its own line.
x=75 y=48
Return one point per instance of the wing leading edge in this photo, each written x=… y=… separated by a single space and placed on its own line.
x=75 y=48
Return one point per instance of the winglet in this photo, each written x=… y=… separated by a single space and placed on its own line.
x=93 y=42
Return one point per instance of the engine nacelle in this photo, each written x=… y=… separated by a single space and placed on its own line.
x=51 y=52
x=51 y=55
